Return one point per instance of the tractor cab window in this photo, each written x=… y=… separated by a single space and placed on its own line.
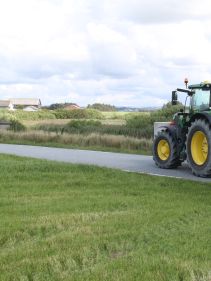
x=201 y=100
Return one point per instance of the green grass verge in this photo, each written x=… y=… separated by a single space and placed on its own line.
x=71 y=222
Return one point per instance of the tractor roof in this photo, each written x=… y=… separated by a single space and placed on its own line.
x=202 y=85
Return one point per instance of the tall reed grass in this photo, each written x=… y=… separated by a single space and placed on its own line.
x=91 y=140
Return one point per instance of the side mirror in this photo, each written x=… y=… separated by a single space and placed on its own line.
x=174 y=98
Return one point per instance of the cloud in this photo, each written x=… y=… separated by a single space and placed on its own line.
x=120 y=52
x=163 y=11
x=111 y=53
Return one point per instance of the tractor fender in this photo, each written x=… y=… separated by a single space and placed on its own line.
x=169 y=128
x=166 y=128
x=201 y=115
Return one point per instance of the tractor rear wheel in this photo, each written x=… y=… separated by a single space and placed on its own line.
x=198 y=148
x=165 y=151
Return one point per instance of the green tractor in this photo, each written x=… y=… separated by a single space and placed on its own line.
x=188 y=136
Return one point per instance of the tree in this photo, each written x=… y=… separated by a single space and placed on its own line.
x=102 y=107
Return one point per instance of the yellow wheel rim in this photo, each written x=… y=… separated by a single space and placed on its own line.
x=163 y=150
x=199 y=148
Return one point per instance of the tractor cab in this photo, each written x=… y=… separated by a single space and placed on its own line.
x=201 y=97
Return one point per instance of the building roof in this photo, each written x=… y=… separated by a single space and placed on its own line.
x=5 y=103
x=22 y=101
x=72 y=106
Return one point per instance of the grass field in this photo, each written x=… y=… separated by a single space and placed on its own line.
x=109 y=118
x=71 y=222
x=122 y=115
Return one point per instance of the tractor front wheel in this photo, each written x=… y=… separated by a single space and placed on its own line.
x=165 y=151
x=198 y=148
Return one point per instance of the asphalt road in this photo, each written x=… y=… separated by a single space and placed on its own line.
x=126 y=162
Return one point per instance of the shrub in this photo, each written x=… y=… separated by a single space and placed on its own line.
x=78 y=124
x=6 y=115
x=36 y=115
x=145 y=122
x=74 y=126
x=92 y=126
x=26 y=115
x=166 y=113
x=55 y=106
x=94 y=114
x=16 y=126
x=78 y=114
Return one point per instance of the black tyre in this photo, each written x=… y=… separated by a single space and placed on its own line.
x=165 y=151
x=198 y=148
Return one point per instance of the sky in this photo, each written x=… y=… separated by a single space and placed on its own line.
x=120 y=52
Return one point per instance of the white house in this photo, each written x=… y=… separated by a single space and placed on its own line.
x=24 y=103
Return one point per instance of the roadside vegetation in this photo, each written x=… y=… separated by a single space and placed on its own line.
x=70 y=222
x=93 y=141
x=86 y=128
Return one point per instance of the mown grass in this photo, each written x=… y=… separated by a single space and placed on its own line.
x=71 y=222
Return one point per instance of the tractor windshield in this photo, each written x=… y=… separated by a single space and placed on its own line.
x=201 y=100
